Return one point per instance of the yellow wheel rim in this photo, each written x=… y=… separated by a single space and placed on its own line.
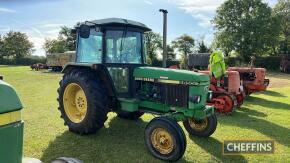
x=162 y=141
x=75 y=102
x=198 y=125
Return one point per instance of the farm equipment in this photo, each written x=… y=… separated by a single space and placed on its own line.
x=38 y=66
x=228 y=94
x=253 y=79
x=57 y=61
x=110 y=74
x=11 y=125
x=198 y=61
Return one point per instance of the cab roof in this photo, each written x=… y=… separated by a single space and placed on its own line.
x=116 y=22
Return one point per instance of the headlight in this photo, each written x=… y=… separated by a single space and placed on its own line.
x=194 y=99
x=209 y=96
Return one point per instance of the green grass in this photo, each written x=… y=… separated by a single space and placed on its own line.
x=263 y=116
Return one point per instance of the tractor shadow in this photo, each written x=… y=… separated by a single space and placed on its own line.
x=119 y=141
x=247 y=118
x=214 y=147
x=271 y=93
x=268 y=103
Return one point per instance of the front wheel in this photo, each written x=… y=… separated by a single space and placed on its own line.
x=165 y=139
x=201 y=128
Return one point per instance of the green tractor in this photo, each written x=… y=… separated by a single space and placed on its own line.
x=110 y=74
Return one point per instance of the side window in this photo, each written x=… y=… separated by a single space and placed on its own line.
x=120 y=78
x=90 y=49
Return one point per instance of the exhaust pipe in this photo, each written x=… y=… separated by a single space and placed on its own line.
x=164 y=36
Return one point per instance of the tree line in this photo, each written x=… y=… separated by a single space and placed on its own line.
x=242 y=27
x=15 y=45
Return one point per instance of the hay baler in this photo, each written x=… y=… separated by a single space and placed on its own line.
x=253 y=79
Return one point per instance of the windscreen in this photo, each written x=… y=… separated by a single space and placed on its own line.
x=123 y=46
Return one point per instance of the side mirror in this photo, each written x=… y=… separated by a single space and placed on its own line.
x=85 y=31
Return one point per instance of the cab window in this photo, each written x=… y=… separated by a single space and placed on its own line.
x=90 y=49
x=123 y=46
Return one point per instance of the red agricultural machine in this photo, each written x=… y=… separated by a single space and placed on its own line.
x=252 y=79
x=227 y=93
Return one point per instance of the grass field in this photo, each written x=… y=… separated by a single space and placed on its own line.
x=263 y=116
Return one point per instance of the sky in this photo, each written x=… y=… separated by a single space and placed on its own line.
x=41 y=19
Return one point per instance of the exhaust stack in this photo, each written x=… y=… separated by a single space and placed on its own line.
x=164 y=36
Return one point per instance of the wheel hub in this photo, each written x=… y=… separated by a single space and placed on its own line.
x=198 y=125
x=75 y=102
x=162 y=141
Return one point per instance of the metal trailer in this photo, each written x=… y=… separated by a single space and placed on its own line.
x=198 y=61
x=57 y=61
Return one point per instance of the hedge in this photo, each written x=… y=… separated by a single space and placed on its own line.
x=158 y=63
x=268 y=62
x=23 y=61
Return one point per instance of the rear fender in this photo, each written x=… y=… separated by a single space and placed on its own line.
x=99 y=69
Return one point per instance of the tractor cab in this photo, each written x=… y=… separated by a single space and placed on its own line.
x=117 y=44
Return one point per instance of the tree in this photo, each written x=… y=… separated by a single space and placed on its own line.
x=245 y=26
x=153 y=44
x=54 y=46
x=184 y=44
x=66 y=41
x=70 y=38
x=202 y=48
x=1 y=47
x=16 y=45
x=282 y=11
x=170 y=52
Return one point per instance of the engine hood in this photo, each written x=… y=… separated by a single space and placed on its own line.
x=170 y=74
x=9 y=100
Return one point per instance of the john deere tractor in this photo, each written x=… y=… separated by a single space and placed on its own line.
x=110 y=74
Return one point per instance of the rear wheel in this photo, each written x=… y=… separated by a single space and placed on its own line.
x=82 y=102
x=201 y=128
x=165 y=139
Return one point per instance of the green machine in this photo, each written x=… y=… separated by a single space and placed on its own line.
x=11 y=125
x=110 y=74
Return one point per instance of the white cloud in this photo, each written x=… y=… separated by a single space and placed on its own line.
x=6 y=10
x=148 y=2
x=4 y=30
x=52 y=25
x=204 y=10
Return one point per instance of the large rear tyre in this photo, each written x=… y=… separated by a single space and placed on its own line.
x=129 y=115
x=201 y=128
x=165 y=139
x=82 y=102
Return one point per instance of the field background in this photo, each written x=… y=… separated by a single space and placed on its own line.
x=264 y=115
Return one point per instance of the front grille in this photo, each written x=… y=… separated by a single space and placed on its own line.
x=174 y=95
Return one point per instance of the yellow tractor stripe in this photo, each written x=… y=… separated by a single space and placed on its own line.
x=10 y=117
